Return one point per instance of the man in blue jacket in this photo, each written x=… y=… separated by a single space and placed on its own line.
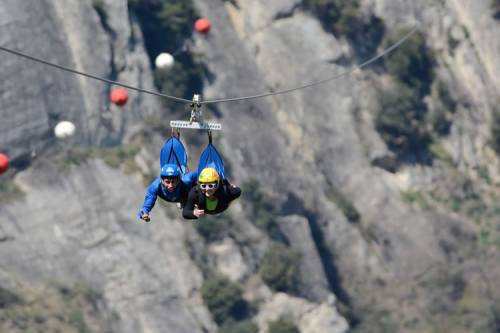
x=170 y=186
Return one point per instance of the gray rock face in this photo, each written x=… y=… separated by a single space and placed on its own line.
x=308 y=317
x=328 y=139
x=36 y=97
x=296 y=229
x=228 y=259
x=83 y=232
x=416 y=265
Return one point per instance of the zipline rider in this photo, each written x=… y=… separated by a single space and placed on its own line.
x=212 y=195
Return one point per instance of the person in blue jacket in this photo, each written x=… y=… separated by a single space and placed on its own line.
x=170 y=186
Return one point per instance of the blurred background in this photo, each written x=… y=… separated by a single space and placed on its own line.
x=370 y=203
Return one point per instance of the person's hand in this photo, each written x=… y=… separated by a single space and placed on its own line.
x=198 y=212
x=145 y=217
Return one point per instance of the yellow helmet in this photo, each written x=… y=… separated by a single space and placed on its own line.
x=208 y=175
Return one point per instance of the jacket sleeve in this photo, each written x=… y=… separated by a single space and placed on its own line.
x=233 y=192
x=187 y=211
x=190 y=178
x=150 y=197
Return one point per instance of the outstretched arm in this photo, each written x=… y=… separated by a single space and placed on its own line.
x=188 y=211
x=233 y=191
x=149 y=201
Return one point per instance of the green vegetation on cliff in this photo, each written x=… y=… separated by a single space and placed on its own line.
x=244 y=326
x=495 y=7
x=495 y=132
x=224 y=299
x=167 y=25
x=283 y=325
x=280 y=269
x=57 y=308
x=343 y=18
x=405 y=122
x=260 y=205
x=400 y=120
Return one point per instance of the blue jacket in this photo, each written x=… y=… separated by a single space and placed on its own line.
x=156 y=189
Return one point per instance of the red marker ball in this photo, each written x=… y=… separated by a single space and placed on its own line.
x=4 y=163
x=119 y=96
x=202 y=25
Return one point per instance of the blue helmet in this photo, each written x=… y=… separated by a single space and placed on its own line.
x=170 y=170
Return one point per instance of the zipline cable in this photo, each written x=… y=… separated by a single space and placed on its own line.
x=222 y=100
x=364 y=64
x=95 y=77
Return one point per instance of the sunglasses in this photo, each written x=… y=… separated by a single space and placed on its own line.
x=208 y=186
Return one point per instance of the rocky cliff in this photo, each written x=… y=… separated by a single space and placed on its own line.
x=388 y=242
